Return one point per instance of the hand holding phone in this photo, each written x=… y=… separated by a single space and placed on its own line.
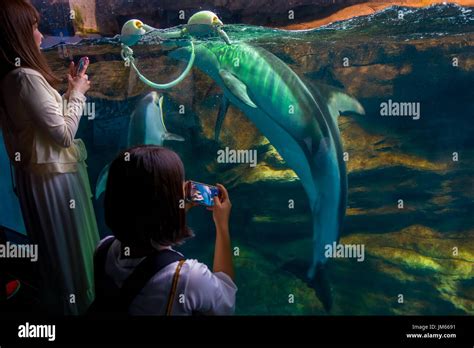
x=77 y=77
x=221 y=210
x=81 y=66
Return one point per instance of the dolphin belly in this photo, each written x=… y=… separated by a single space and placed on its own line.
x=144 y=127
x=287 y=146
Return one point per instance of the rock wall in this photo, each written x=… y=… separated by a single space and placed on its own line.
x=107 y=16
x=85 y=15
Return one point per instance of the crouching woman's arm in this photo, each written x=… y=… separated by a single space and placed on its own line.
x=214 y=292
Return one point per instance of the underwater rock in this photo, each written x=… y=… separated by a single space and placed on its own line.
x=364 y=150
x=265 y=289
x=418 y=253
x=416 y=262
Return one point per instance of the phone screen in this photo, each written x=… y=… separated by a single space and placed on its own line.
x=200 y=193
x=81 y=64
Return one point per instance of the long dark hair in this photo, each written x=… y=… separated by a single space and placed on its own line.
x=144 y=197
x=17 y=18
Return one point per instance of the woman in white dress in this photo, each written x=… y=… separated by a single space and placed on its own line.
x=49 y=164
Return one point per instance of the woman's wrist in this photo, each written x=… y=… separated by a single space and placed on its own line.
x=75 y=93
x=222 y=228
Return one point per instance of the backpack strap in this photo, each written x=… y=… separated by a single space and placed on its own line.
x=137 y=280
x=100 y=258
x=144 y=272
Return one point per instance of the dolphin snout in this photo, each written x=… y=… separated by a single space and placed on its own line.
x=153 y=97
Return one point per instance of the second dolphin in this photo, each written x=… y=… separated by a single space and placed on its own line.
x=146 y=127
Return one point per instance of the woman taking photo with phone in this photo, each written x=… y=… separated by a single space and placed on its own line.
x=50 y=173
x=137 y=270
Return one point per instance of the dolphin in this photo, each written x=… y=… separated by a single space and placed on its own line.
x=300 y=121
x=146 y=127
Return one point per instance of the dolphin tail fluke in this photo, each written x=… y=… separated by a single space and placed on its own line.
x=102 y=181
x=173 y=137
x=322 y=287
x=326 y=232
x=327 y=213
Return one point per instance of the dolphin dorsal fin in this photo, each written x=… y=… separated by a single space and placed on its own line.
x=339 y=102
x=237 y=87
x=221 y=116
x=344 y=103
x=337 y=99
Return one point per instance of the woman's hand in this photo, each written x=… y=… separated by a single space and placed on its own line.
x=189 y=205
x=78 y=82
x=221 y=208
x=223 y=249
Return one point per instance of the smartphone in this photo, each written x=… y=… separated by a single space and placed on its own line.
x=81 y=64
x=200 y=193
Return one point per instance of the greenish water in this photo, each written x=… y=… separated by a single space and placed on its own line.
x=408 y=251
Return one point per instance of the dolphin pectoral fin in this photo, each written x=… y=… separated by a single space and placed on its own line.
x=171 y=136
x=319 y=150
x=167 y=135
x=309 y=143
x=221 y=116
x=102 y=181
x=237 y=87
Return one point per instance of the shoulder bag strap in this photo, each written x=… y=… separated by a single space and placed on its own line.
x=174 y=285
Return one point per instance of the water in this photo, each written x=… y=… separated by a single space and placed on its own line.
x=419 y=252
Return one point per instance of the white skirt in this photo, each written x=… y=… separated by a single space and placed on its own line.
x=60 y=219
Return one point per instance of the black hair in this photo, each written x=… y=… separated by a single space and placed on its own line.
x=144 y=197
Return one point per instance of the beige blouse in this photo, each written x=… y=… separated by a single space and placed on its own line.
x=39 y=125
